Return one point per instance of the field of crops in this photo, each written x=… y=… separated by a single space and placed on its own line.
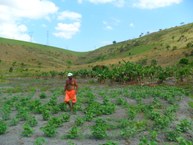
x=33 y=113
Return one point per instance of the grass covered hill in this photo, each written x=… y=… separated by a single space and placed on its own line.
x=167 y=47
x=30 y=55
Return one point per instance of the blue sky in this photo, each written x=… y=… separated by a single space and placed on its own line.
x=85 y=25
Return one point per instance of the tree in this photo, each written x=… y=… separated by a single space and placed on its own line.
x=114 y=42
x=69 y=63
x=184 y=61
x=11 y=69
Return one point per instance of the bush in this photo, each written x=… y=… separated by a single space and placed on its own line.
x=172 y=135
x=189 y=45
x=184 y=125
x=99 y=129
x=73 y=133
x=3 y=127
x=27 y=130
x=184 y=61
x=43 y=95
x=39 y=141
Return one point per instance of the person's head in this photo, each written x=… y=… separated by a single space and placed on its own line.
x=70 y=75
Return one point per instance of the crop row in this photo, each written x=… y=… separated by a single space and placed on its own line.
x=149 y=114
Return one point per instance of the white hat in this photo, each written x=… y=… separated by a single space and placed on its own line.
x=70 y=74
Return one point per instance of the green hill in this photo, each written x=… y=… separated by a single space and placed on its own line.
x=166 y=46
x=20 y=54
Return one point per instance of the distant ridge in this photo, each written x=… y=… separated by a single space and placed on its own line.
x=166 y=46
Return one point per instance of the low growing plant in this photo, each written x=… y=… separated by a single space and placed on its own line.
x=3 y=127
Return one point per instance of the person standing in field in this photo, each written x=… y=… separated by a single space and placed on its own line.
x=70 y=90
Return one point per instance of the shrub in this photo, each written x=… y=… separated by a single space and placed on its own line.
x=184 y=61
x=189 y=45
x=184 y=125
x=39 y=141
x=3 y=127
x=27 y=130
x=43 y=96
x=49 y=130
x=99 y=129
x=172 y=135
x=73 y=133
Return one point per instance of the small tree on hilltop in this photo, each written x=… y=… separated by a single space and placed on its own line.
x=114 y=42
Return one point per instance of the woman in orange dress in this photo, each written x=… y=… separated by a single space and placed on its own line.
x=70 y=89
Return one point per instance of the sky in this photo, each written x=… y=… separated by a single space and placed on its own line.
x=86 y=25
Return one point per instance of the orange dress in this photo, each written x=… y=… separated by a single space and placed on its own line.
x=70 y=93
x=70 y=96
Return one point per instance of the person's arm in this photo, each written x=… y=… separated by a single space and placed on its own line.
x=65 y=87
x=76 y=85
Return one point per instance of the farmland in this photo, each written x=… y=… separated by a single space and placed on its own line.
x=33 y=112
x=135 y=92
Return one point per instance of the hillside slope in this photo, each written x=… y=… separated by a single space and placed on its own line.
x=30 y=55
x=166 y=46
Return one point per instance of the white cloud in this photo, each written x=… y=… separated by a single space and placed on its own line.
x=153 y=4
x=14 y=31
x=67 y=30
x=68 y=15
x=80 y=1
x=70 y=25
x=13 y=12
x=118 y=3
x=101 y=1
x=110 y=24
x=32 y=9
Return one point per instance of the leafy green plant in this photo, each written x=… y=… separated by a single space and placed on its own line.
x=79 y=121
x=56 y=121
x=162 y=122
x=3 y=127
x=70 y=142
x=73 y=133
x=132 y=112
x=128 y=131
x=172 y=135
x=49 y=130
x=46 y=115
x=110 y=143
x=52 y=101
x=32 y=121
x=55 y=109
x=65 y=117
x=27 y=130
x=99 y=129
x=14 y=121
x=5 y=111
x=184 y=125
x=43 y=96
x=146 y=141
x=40 y=141
x=23 y=113
x=62 y=106
x=153 y=135
x=124 y=123
x=183 y=141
